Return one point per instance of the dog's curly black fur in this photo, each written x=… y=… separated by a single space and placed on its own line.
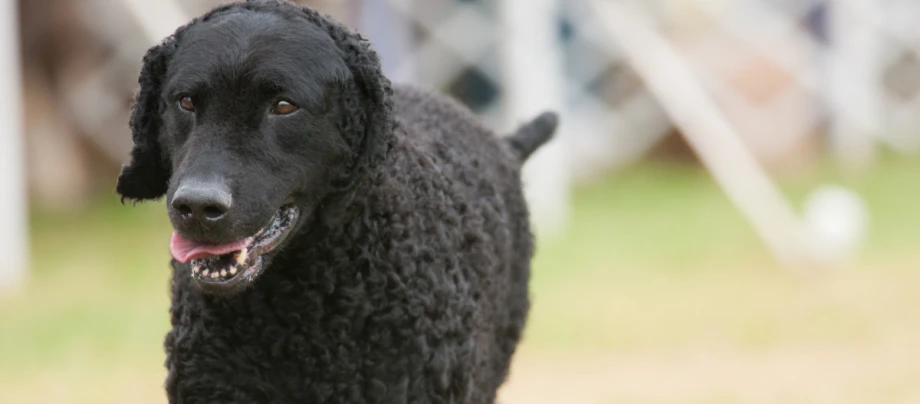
x=406 y=283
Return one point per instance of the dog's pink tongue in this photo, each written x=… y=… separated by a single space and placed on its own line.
x=184 y=250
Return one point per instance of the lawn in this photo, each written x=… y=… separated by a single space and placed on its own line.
x=658 y=293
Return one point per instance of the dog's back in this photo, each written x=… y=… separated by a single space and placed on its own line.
x=480 y=173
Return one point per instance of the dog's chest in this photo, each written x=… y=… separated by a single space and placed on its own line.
x=311 y=345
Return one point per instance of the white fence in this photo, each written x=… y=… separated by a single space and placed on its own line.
x=792 y=77
x=789 y=75
x=783 y=71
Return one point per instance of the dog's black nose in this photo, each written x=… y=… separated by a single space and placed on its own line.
x=204 y=202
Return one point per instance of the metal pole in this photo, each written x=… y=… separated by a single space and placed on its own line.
x=14 y=230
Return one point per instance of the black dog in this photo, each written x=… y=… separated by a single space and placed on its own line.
x=335 y=240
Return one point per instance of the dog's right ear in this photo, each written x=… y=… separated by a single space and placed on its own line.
x=146 y=176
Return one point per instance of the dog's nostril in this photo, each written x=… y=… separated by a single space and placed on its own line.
x=183 y=209
x=214 y=212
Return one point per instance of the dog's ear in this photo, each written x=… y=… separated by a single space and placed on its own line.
x=367 y=102
x=374 y=93
x=146 y=176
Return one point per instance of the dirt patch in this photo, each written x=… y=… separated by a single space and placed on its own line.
x=885 y=373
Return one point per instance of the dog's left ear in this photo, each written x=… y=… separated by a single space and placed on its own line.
x=146 y=176
x=367 y=101
x=375 y=93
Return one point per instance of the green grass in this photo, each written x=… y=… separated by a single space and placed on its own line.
x=96 y=297
x=656 y=261
x=663 y=241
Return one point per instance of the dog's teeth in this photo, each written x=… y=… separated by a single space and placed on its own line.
x=241 y=256
x=197 y=268
x=232 y=270
x=214 y=275
x=223 y=273
x=205 y=273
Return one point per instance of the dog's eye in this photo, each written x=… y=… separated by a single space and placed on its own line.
x=186 y=103
x=283 y=107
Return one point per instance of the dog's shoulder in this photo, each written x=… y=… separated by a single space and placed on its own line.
x=431 y=119
x=417 y=105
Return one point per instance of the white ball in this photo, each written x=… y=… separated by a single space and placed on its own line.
x=837 y=220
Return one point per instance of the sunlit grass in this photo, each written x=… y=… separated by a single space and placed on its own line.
x=656 y=262
x=96 y=297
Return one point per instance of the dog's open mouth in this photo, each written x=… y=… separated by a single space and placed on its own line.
x=230 y=264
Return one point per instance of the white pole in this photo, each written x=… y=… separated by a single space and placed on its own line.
x=854 y=93
x=379 y=22
x=14 y=230
x=532 y=63
x=707 y=131
x=158 y=19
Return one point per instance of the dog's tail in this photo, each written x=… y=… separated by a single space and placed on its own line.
x=530 y=136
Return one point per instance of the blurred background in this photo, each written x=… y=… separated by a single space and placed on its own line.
x=727 y=215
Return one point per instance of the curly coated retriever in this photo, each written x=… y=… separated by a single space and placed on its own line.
x=337 y=240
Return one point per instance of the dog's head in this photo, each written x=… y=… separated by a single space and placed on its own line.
x=246 y=119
